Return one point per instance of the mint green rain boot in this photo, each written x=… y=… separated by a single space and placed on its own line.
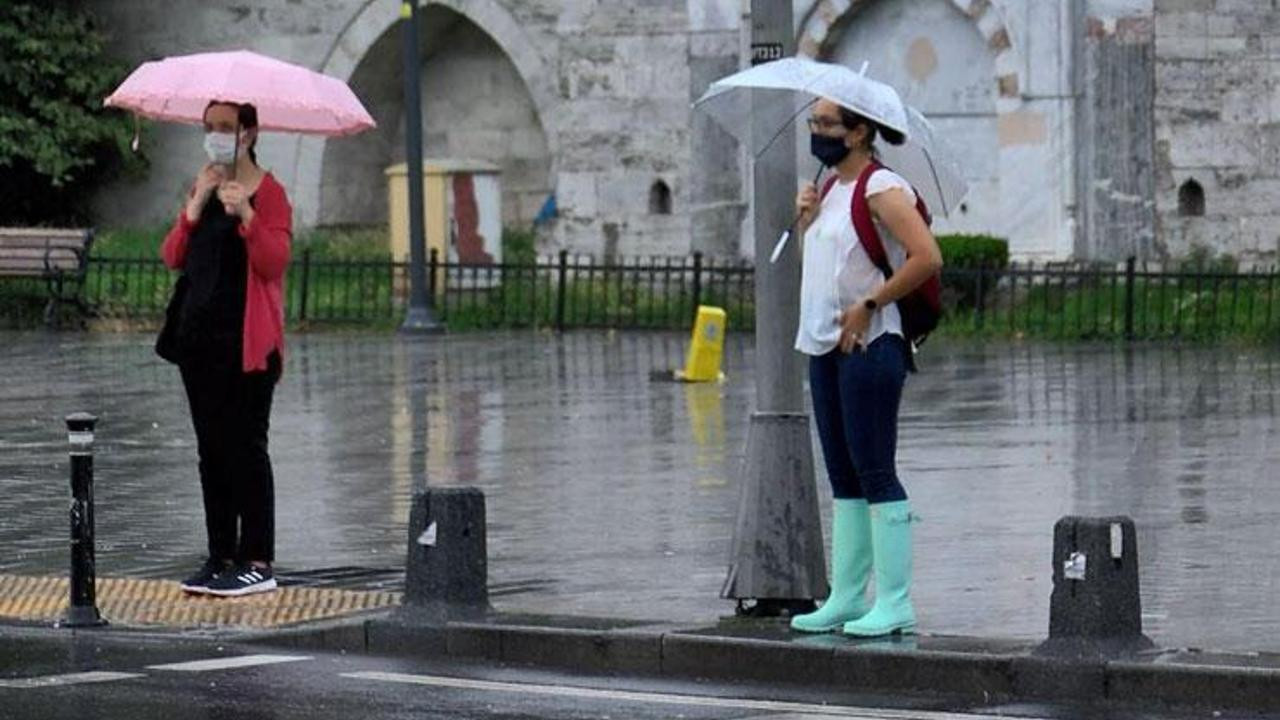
x=850 y=570
x=891 y=542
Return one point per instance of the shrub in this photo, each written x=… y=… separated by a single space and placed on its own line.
x=519 y=246
x=971 y=251
x=57 y=143
x=962 y=255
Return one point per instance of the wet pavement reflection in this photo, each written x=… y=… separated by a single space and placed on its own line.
x=611 y=494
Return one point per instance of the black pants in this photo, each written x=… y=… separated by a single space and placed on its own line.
x=231 y=412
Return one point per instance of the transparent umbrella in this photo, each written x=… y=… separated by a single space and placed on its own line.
x=760 y=105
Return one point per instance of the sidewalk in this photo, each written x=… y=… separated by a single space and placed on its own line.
x=612 y=496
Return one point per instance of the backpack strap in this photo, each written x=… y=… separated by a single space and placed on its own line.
x=865 y=224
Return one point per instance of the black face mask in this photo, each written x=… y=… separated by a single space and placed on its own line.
x=829 y=150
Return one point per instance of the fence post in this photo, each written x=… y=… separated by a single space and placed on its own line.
x=697 y=280
x=978 y=304
x=306 y=282
x=1129 y=277
x=433 y=268
x=562 y=281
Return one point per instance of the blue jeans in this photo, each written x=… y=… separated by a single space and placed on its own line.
x=855 y=403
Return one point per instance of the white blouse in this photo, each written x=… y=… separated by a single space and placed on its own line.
x=837 y=271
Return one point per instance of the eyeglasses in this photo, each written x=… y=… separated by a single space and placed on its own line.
x=823 y=124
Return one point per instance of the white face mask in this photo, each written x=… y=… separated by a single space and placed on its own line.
x=221 y=147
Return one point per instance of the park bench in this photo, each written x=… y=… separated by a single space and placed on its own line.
x=58 y=257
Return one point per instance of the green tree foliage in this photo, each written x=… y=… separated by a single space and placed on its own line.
x=57 y=142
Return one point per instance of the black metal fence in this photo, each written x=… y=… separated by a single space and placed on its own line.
x=1064 y=301
x=1086 y=301
x=561 y=291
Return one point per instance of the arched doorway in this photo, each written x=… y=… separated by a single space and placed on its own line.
x=933 y=54
x=475 y=105
x=959 y=62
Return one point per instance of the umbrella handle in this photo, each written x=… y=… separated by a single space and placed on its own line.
x=235 y=157
x=786 y=234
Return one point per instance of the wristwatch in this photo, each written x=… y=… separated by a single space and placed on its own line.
x=870 y=304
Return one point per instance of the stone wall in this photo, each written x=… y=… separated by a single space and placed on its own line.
x=1116 y=81
x=1217 y=127
x=1078 y=122
x=589 y=100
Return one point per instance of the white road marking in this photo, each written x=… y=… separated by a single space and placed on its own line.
x=242 y=661
x=67 y=679
x=807 y=709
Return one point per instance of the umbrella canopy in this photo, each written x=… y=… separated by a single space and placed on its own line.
x=758 y=105
x=289 y=98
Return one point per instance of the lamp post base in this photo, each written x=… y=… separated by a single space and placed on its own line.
x=82 y=617
x=421 y=320
x=777 y=557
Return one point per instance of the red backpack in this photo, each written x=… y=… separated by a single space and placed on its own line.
x=921 y=308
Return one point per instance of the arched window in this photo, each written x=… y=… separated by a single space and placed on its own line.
x=659 y=198
x=1191 y=199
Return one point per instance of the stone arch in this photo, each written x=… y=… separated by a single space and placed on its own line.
x=820 y=29
x=1007 y=137
x=370 y=24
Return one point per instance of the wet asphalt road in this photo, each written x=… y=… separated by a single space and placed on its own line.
x=609 y=494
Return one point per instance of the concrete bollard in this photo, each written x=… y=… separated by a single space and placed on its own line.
x=447 y=574
x=82 y=609
x=1095 y=608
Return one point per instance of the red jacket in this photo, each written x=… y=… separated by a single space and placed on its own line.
x=267 y=242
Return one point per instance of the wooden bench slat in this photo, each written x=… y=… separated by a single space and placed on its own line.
x=36 y=252
x=63 y=265
x=41 y=246
x=43 y=232
x=54 y=260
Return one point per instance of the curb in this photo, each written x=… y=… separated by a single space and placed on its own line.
x=961 y=669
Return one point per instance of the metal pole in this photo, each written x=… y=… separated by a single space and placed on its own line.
x=82 y=610
x=1130 y=267
x=421 y=315
x=777 y=558
x=562 y=288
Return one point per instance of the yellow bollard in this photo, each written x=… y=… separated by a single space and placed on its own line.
x=706 y=347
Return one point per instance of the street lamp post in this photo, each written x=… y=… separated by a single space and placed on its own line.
x=420 y=317
x=777 y=559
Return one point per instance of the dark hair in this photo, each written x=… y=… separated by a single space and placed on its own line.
x=246 y=116
x=851 y=120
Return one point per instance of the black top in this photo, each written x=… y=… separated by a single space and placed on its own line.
x=211 y=323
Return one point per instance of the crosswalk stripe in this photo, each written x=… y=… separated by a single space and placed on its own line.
x=242 y=661
x=67 y=679
x=817 y=711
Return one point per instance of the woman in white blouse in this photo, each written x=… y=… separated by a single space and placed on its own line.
x=859 y=359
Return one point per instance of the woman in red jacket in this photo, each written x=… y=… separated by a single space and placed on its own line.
x=231 y=241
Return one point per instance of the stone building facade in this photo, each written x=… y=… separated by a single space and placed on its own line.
x=1078 y=122
x=1217 y=127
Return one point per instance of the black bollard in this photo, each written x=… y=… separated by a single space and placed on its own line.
x=83 y=609
x=447 y=574
x=1096 y=607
